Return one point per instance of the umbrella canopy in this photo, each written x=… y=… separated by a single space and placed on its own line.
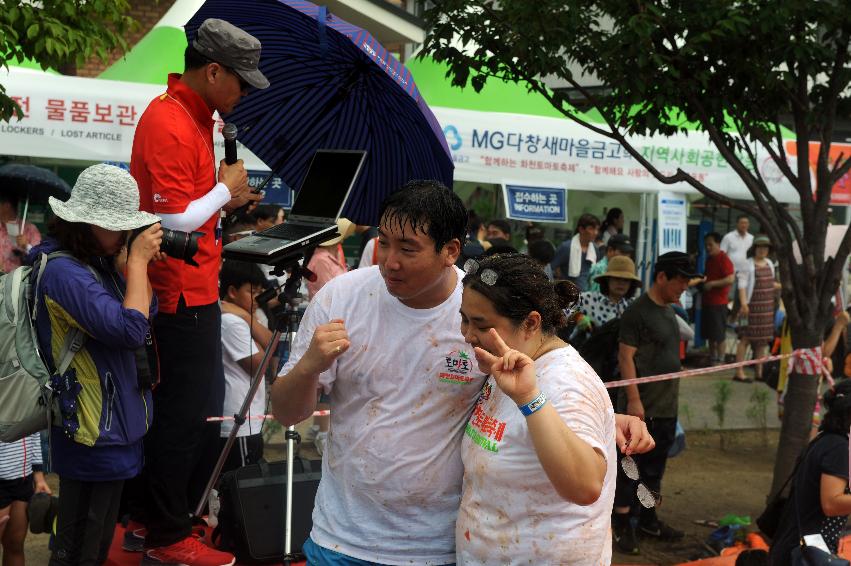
x=29 y=181
x=333 y=86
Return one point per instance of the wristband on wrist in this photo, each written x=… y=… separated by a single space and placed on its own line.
x=533 y=405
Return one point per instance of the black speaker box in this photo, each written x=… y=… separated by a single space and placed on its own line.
x=251 y=519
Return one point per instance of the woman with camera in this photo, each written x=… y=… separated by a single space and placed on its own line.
x=103 y=407
x=819 y=502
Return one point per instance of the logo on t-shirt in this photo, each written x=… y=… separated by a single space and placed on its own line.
x=159 y=198
x=485 y=430
x=457 y=368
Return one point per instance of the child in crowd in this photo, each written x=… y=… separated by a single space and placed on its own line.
x=244 y=340
x=21 y=477
x=267 y=215
x=238 y=230
x=16 y=238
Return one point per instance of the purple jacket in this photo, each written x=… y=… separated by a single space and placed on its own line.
x=104 y=411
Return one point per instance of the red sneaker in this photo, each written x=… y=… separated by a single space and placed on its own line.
x=134 y=537
x=187 y=552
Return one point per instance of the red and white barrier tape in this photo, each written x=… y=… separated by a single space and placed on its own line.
x=262 y=417
x=804 y=360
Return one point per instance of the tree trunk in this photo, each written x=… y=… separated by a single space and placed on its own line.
x=799 y=398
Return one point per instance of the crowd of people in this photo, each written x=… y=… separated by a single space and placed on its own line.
x=464 y=368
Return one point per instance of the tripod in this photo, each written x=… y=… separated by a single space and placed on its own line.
x=286 y=322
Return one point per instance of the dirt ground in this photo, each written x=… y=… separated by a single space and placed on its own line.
x=703 y=483
x=707 y=483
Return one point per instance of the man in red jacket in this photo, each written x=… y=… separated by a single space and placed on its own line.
x=720 y=275
x=174 y=164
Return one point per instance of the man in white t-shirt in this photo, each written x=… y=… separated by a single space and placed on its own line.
x=737 y=243
x=244 y=340
x=385 y=343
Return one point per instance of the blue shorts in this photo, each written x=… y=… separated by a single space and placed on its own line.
x=321 y=556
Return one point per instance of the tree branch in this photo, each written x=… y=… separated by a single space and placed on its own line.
x=835 y=86
x=776 y=206
x=717 y=139
x=839 y=171
x=679 y=176
x=767 y=210
x=782 y=162
x=834 y=272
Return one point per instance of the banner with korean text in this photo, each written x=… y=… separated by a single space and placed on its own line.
x=535 y=204
x=492 y=147
x=74 y=118
x=83 y=119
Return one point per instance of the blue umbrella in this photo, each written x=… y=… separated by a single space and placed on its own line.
x=29 y=181
x=333 y=86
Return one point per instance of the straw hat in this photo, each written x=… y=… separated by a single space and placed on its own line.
x=762 y=240
x=620 y=266
x=106 y=196
x=345 y=227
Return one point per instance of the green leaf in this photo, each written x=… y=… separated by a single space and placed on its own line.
x=32 y=31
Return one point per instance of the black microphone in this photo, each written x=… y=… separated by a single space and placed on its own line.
x=229 y=132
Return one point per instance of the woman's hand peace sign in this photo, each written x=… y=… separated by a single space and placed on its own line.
x=513 y=371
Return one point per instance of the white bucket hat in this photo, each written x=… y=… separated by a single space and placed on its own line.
x=106 y=196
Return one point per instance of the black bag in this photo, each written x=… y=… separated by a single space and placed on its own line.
x=805 y=555
x=769 y=520
x=251 y=519
x=601 y=350
x=771 y=373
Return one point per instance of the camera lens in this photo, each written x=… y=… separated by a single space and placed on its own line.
x=181 y=245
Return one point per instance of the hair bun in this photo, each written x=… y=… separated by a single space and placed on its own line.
x=567 y=293
x=838 y=396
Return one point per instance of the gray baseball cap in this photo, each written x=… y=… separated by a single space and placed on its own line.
x=232 y=47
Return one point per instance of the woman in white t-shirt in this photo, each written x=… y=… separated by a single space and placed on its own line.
x=539 y=448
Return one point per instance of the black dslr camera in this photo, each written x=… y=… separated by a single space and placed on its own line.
x=176 y=244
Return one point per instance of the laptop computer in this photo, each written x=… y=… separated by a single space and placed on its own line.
x=329 y=180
